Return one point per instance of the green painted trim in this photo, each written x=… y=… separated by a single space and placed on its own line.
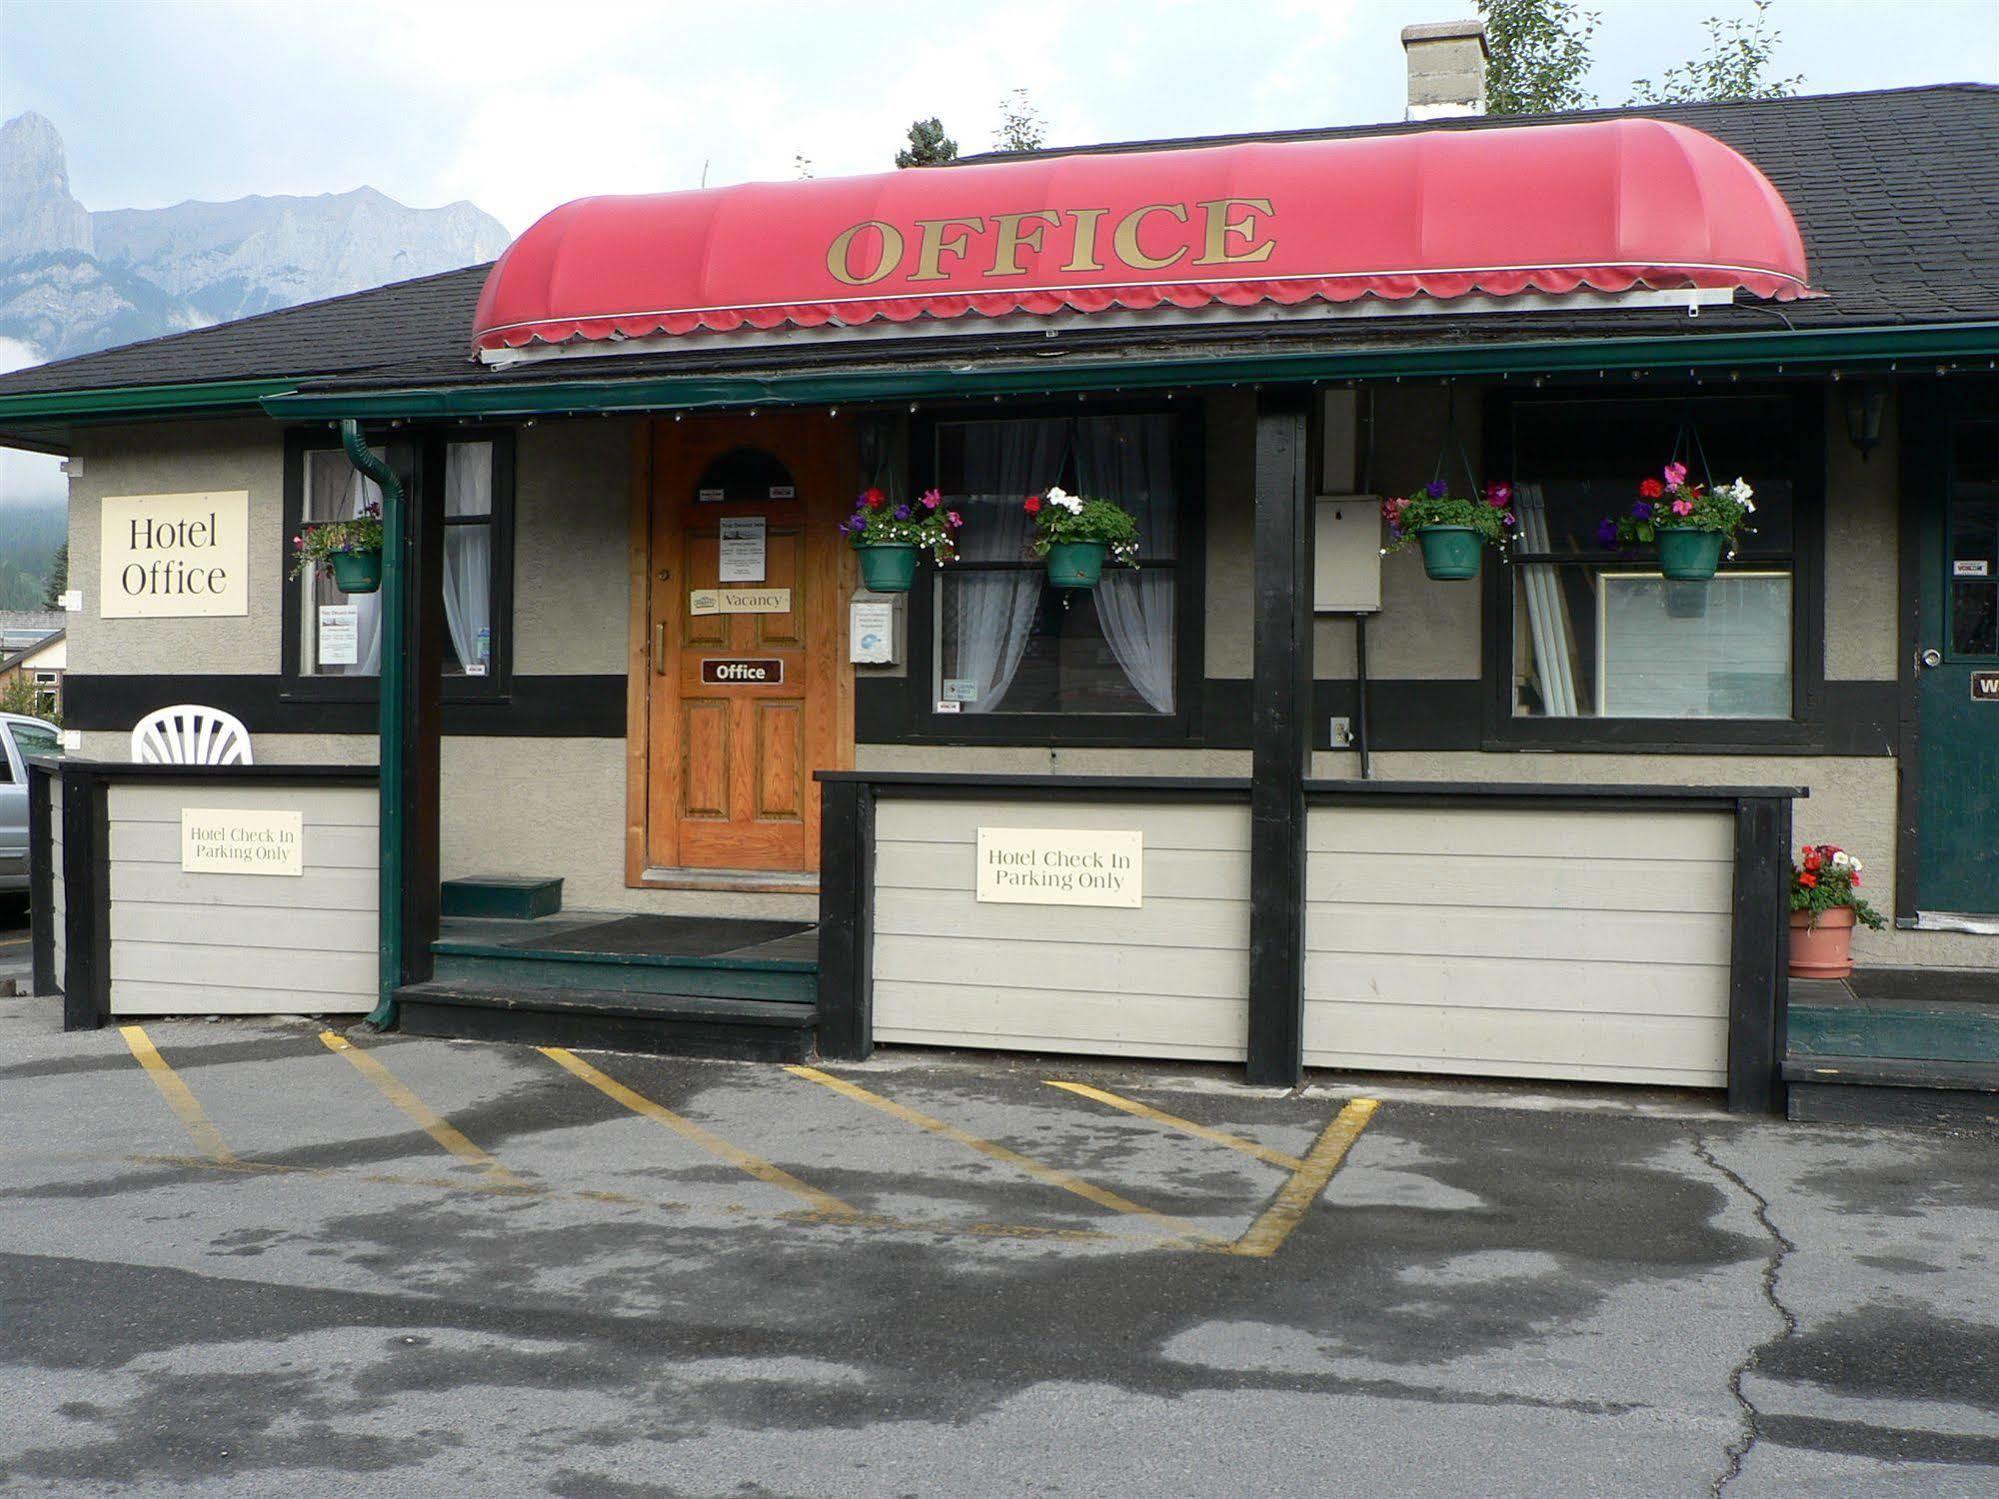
x=446 y=946
x=1809 y=349
x=395 y=725
x=139 y=400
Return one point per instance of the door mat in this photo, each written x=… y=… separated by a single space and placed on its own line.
x=664 y=936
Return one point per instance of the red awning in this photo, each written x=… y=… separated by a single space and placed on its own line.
x=1603 y=206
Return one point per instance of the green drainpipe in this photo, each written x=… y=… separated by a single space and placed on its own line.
x=395 y=716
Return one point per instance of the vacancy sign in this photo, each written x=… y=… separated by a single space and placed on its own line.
x=1061 y=867
x=166 y=556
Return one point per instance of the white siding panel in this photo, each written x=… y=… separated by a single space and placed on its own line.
x=1167 y=979
x=323 y=806
x=326 y=889
x=142 y=997
x=244 y=926
x=1588 y=944
x=324 y=846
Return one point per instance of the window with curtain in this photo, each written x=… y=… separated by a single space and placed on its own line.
x=1006 y=642
x=1598 y=632
x=340 y=634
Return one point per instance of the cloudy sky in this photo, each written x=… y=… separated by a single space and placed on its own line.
x=518 y=105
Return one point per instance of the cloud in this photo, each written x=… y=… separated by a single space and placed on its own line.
x=27 y=478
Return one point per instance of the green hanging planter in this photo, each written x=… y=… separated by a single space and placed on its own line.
x=1450 y=553
x=887 y=567
x=1688 y=556
x=356 y=572
x=1076 y=564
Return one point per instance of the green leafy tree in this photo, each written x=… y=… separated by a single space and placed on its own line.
x=58 y=583
x=1736 y=66
x=928 y=145
x=1539 y=55
x=1021 y=127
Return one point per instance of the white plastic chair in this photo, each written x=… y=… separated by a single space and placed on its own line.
x=187 y=734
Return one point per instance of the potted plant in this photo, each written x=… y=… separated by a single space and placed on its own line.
x=1692 y=524
x=1825 y=904
x=1076 y=535
x=888 y=537
x=1452 y=532
x=351 y=550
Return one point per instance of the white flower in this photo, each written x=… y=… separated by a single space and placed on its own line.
x=1853 y=864
x=1842 y=861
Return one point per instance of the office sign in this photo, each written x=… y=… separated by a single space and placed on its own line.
x=223 y=840
x=735 y=671
x=1061 y=867
x=170 y=556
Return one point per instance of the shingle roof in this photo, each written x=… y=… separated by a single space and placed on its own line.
x=1895 y=191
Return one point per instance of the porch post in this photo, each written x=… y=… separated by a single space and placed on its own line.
x=1280 y=740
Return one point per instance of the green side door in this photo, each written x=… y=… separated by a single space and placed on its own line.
x=1957 y=681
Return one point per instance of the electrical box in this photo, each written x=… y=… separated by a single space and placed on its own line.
x=1346 y=560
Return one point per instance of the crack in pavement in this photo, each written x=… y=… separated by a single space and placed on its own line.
x=1780 y=1248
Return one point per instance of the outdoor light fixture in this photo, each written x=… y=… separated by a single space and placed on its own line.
x=1864 y=404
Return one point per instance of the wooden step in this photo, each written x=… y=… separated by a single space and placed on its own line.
x=630 y=973
x=1892 y=1090
x=1953 y=1030
x=514 y=896
x=696 y=1025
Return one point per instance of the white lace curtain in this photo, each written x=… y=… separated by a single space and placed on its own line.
x=336 y=490
x=1130 y=459
x=992 y=613
x=468 y=554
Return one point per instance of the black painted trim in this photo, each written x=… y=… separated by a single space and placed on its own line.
x=41 y=879
x=115 y=771
x=846 y=920
x=1280 y=737
x=539 y=707
x=86 y=864
x=1759 y=948
x=1923 y=429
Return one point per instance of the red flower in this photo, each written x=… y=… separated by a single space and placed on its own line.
x=875 y=498
x=1032 y=504
x=1812 y=860
x=1650 y=489
x=1808 y=880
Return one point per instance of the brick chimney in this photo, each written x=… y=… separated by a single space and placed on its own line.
x=1446 y=69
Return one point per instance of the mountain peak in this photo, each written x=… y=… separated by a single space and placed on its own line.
x=37 y=212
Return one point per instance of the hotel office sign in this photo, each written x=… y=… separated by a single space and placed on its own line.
x=167 y=556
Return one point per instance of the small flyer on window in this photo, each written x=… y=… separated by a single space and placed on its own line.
x=742 y=549
x=339 y=634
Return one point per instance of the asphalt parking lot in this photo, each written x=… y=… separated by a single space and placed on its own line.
x=256 y=1258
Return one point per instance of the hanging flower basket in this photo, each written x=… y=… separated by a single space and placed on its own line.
x=888 y=537
x=1452 y=532
x=357 y=571
x=350 y=550
x=1693 y=525
x=887 y=566
x=1825 y=905
x=1078 y=536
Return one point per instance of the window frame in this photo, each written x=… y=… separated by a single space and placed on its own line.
x=418 y=457
x=925 y=725
x=1505 y=730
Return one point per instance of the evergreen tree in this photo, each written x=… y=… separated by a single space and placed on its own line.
x=58 y=583
x=928 y=145
x=1539 y=54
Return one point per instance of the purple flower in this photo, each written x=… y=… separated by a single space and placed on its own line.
x=1606 y=532
x=1436 y=489
x=902 y=512
x=1641 y=511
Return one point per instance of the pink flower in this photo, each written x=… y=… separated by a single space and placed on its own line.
x=1499 y=496
x=1683 y=507
x=932 y=499
x=1676 y=475
x=953 y=519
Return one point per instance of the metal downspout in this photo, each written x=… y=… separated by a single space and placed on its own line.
x=395 y=718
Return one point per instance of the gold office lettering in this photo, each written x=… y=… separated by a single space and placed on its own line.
x=931 y=246
x=1124 y=241
x=1084 y=256
x=1219 y=226
x=1012 y=239
x=890 y=254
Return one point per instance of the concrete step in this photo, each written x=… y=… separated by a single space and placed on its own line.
x=699 y=1025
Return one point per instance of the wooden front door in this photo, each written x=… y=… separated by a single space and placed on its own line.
x=747 y=682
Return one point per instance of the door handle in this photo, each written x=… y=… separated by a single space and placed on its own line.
x=659 y=646
x=1930 y=659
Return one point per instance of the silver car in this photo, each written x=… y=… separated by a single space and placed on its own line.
x=19 y=738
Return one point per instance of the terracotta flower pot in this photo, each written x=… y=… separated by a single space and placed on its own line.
x=1822 y=949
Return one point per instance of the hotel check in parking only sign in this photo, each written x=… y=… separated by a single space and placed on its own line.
x=1061 y=867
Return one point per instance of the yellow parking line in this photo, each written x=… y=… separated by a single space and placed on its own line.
x=1266 y=1236
x=176 y=1093
x=420 y=1113
x=1089 y=1191
x=687 y=1129
x=1200 y=1131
